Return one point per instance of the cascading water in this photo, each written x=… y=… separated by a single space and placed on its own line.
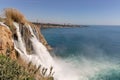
x=40 y=56
x=41 y=51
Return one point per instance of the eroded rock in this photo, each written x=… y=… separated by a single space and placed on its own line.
x=6 y=43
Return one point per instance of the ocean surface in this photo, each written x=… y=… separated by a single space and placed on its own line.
x=86 y=53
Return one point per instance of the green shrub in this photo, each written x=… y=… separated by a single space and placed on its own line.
x=11 y=70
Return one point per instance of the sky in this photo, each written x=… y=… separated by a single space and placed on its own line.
x=85 y=12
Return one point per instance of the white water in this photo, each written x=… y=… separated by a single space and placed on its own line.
x=73 y=69
x=40 y=56
x=41 y=51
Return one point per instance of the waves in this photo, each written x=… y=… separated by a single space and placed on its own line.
x=108 y=74
x=87 y=69
x=86 y=53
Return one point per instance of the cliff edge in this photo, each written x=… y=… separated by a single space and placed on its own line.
x=6 y=43
x=17 y=41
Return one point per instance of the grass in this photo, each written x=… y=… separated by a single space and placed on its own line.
x=11 y=70
x=14 y=15
x=1 y=19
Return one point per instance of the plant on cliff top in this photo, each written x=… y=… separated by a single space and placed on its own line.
x=14 y=15
x=10 y=70
x=1 y=19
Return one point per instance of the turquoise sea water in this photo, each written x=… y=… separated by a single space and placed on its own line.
x=93 y=50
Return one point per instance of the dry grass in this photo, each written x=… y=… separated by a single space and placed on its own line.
x=37 y=72
x=14 y=15
x=12 y=70
x=1 y=19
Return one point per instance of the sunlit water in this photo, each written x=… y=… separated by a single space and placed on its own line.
x=87 y=53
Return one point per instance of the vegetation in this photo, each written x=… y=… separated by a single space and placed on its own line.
x=1 y=19
x=53 y=25
x=11 y=70
x=14 y=15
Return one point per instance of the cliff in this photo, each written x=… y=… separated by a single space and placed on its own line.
x=6 y=43
x=10 y=18
x=17 y=41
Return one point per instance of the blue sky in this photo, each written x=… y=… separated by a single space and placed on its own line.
x=98 y=12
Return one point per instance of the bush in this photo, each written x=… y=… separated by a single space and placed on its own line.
x=10 y=70
x=1 y=19
x=14 y=15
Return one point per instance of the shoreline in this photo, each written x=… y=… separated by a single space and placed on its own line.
x=54 y=25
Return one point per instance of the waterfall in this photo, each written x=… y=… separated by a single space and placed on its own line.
x=40 y=56
x=41 y=51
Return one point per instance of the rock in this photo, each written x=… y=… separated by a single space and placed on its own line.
x=6 y=44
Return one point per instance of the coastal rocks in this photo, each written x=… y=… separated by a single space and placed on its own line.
x=6 y=44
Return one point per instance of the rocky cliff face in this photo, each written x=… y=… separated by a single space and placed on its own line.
x=6 y=43
x=7 y=34
x=24 y=42
x=7 y=46
x=26 y=37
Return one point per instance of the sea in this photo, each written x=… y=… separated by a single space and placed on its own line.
x=86 y=53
